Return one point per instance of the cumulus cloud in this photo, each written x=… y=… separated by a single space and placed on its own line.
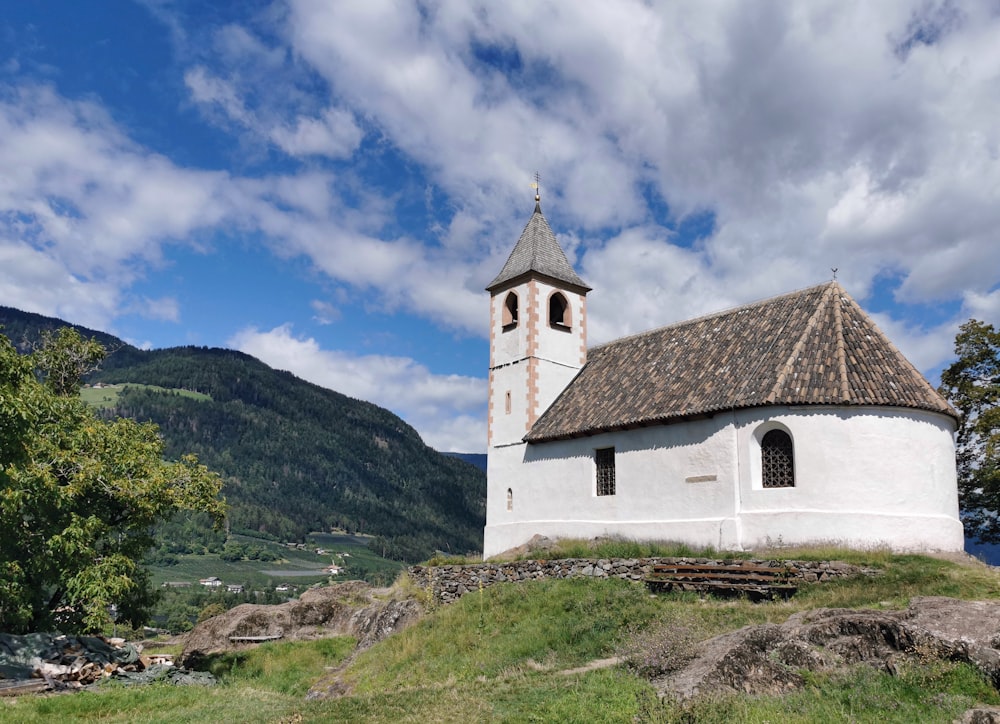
x=254 y=87
x=984 y=307
x=929 y=349
x=822 y=135
x=210 y=90
x=83 y=209
x=37 y=281
x=87 y=213
x=334 y=133
x=854 y=135
x=447 y=410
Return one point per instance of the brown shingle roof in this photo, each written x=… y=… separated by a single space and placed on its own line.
x=537 y=251
x=813 y=347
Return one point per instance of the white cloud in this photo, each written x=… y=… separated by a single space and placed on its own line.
x=984 y=307
x=324 y=312
x=334 y=133
x=927 y=349
x=210 y=90
x=83 y=210
x=853 y=135
x=820 y=135
x=86 y=213
x=447 y=410
x=35 y=280
x=165 y=308
x=642 y=281
x=254 y=86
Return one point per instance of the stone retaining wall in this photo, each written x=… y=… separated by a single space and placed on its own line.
x=449 y=583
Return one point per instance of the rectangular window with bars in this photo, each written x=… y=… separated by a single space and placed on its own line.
x=605 y=459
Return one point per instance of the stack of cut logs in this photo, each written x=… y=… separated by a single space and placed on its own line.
x=37 y=662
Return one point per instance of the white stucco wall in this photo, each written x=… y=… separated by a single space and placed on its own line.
x=864 y=476
x=509 y=427
x=557 y=344
x=511 y=343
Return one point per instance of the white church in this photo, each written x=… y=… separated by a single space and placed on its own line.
x=789 y=421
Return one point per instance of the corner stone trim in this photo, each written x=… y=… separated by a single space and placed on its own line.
x=449 y=583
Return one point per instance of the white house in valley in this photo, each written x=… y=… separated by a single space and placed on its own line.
x=792 y=420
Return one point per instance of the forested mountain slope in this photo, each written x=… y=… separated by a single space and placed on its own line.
x=295 y=457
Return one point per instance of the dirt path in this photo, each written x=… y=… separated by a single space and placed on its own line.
x=593 y=666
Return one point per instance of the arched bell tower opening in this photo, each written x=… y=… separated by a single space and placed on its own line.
x=560 y=315
x=510 y=311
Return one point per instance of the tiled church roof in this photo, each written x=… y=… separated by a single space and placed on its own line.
x=813 y=347
x=538 y=251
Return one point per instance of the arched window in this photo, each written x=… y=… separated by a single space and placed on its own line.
x=510 y=311
x=559 y=311
x=510 y=499
x=777 y=460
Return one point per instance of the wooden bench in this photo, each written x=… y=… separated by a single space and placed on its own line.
x=755 y=582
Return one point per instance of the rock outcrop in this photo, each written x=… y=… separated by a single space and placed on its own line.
x=767 y=659
x=352 y=608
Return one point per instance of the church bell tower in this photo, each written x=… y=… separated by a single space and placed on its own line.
x=538 y=332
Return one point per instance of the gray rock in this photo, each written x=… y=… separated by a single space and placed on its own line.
x=765 y=659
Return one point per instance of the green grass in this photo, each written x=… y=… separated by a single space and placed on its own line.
x=501 y=654
x=935 y=692
x=105 y=397
x=284 y=667
x=500 y=630
x=614 y=547
x=265 y=684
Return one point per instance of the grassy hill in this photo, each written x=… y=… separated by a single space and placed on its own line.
x=295 y=457
x=525 y=652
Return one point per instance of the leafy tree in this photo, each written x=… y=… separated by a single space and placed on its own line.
x=212 y=609
x=64 y=357
x=972 y=384
x=79 y=496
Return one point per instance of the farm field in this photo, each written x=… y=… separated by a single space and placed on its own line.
x=107 y=395
x=301 y=567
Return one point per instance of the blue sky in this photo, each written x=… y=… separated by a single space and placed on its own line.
x=330 y=186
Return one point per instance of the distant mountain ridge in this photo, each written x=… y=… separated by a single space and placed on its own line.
x=24 y=329
x=295 y=457
x=477 y=459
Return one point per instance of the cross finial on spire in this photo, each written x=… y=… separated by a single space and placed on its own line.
x=536 y=187
x=834 y=270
